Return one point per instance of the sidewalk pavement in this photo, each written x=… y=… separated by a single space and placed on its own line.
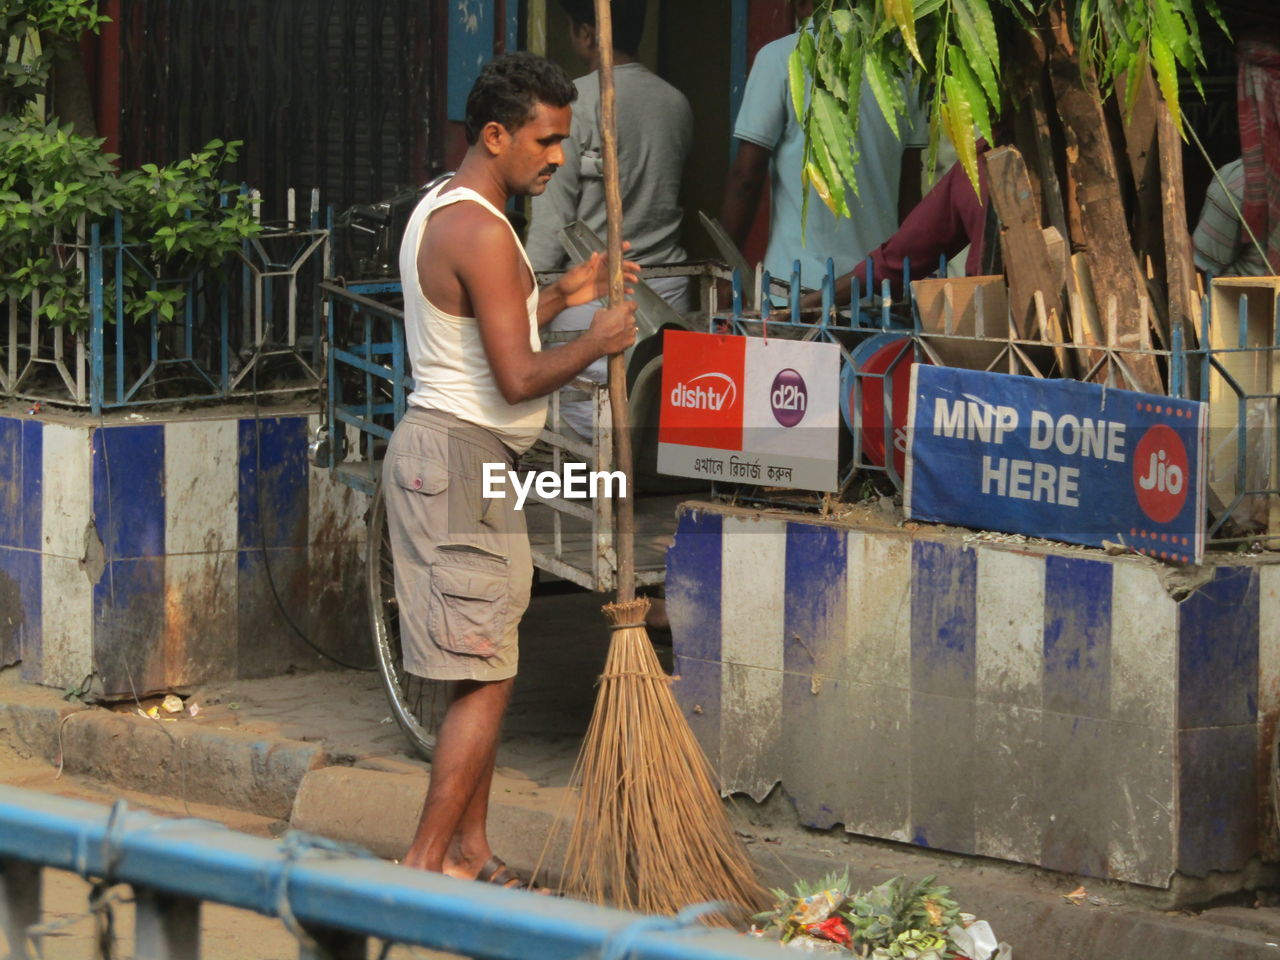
x=321 y=752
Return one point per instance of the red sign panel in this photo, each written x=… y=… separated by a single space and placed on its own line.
x=702 y=390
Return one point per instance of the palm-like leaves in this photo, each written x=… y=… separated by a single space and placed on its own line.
x=955 y=46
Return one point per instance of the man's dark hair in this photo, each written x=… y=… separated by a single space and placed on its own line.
x=510 y=86
x=628 y=20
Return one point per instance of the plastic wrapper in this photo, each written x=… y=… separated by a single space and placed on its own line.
x=816 y=908
x=977 y=941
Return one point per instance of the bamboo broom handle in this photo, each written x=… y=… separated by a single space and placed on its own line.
x=624 y=515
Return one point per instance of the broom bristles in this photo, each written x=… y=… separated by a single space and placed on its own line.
x=651 y=833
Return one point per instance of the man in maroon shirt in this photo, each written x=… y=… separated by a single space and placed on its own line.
x=950 y=216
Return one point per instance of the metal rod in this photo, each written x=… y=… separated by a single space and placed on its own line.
x=167 y=927
x=201 y=860
x=95 y=318
x=19 y=904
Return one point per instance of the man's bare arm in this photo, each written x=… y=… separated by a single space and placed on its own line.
x=743 y=189
x=494 y=277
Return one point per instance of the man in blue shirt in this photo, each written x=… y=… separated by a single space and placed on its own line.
x=771 y=149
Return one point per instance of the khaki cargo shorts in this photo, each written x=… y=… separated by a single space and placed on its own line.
x=463 y=569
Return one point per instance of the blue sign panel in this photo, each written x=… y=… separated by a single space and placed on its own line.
x=1058 y=459
x=470 y=48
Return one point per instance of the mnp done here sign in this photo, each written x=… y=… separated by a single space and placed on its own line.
x=1059 y=459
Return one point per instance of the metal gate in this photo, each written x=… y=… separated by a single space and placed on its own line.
x=334 y=94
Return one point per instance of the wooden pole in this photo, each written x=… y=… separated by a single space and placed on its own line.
x=1091 y=172
x=624 y=515
x=1180 y=270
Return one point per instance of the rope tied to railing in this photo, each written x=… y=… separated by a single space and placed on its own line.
x=297 y=847
x=101 y=894
x=104 y=891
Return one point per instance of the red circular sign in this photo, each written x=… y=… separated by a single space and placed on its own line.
x=883 y=356
x=1161 y=476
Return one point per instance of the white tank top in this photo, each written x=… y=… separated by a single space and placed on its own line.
x=451 y=371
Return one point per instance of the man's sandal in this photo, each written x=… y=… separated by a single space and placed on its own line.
x=497 y=872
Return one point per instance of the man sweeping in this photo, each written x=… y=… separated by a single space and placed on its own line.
x=463 y=568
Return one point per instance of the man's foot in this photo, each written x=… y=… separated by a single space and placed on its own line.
x=497 y=872
x=464 y=866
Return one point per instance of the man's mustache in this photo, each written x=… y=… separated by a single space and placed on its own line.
x=548 y=170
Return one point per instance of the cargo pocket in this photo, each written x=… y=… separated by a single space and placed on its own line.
x=468 y=599
x=419 y=474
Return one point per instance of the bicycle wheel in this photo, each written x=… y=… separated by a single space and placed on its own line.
x=417 y=704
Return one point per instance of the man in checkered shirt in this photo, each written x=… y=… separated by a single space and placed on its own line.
x=1223 y=247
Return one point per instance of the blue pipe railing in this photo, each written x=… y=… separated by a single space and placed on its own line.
x=325 y=892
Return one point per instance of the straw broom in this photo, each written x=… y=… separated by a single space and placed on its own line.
x=651 y=833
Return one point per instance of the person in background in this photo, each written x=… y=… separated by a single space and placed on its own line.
x=1256 y=26
x=655 y=132
x=770 y=150
x=1222 y=246
x=950 y=216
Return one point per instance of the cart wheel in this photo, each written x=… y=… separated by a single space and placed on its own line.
x=417 y=704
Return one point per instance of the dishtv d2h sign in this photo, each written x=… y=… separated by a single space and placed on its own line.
x=749 y=410
x=1058 y=459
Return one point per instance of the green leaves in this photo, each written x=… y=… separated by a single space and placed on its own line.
x=830 y=128
x=902 y=14
x=957 y=120
x=954 y=45
x=31 y=34
x=968 y=91
x=976 y=31
x=887 y=89
x=895 y=919
x=1128 y=38
x=173 y=220
x=1167 y=77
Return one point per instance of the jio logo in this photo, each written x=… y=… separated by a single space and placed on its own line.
x=1160 y=473
x=789 y=397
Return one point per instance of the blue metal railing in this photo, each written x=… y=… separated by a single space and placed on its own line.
x=332 y=897
x=366 y=375
x=1211 y=367
x=368 y=357
x=200 y=353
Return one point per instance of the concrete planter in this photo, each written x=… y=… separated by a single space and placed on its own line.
x=1096 y=715
x=136 y=550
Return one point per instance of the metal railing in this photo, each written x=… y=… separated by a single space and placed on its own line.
x=252 y=327
x=1244 y=452
x=333 y=898
x=1237 y=372
x=367 y=386
x=367 y=378
x=1239 y=377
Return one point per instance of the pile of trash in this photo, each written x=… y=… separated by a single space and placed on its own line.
x=897 y=920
